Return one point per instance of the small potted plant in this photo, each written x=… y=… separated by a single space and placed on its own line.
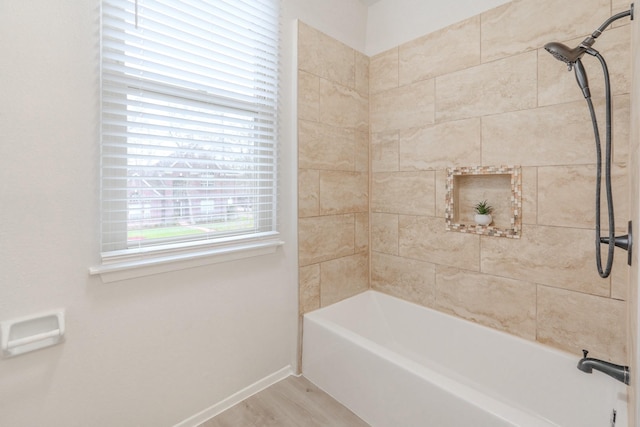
x=483 y=213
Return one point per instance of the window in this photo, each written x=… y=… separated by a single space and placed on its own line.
x=189 y=124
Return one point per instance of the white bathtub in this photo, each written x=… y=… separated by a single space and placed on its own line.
x=398 y=364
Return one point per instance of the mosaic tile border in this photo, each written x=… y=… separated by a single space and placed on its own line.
x=516 y=201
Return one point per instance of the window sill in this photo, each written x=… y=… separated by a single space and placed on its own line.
x=132 y=266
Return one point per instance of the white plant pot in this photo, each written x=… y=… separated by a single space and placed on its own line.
x=482 y=219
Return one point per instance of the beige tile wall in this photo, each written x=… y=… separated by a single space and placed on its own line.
x=481 y=92
x=333 y=170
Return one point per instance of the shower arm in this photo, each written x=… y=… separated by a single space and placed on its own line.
x=589 y=41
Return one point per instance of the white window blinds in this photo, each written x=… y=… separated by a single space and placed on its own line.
x=189 y=126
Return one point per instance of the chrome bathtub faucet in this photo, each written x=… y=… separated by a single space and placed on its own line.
x=588 y=364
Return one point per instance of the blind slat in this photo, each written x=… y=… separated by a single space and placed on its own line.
x=133 y=77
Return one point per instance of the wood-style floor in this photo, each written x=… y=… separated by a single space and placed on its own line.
x=292 y=402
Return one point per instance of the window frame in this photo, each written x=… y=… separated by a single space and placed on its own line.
x=123 y=263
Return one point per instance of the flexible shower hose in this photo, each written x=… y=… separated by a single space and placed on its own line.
x=607 y=270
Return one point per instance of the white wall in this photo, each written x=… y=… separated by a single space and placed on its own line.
x=344 y=20
x=393 y=22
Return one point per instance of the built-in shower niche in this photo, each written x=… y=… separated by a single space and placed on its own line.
x=500 y=186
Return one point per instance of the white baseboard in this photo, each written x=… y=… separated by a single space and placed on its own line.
x=236 y=398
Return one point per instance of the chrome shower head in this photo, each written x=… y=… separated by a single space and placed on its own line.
x=565 y=54
x=571 y=57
